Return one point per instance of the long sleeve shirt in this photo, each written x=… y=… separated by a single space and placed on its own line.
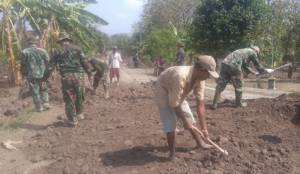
x=240 y=60
x=34 y=62
x=71 y=60
x=115 y=59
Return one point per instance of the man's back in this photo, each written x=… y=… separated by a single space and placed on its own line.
x=98 y=65
x=34 y=62
x=238 y=57
x=70 y=60
x=175 y=81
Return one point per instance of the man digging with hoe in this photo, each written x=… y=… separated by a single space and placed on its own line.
x=172 y=87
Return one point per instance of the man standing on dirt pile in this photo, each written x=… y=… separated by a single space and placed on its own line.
x=34 y=64
x=171 y=89
x=101 y=70
x=231 y=71
x=72 y=64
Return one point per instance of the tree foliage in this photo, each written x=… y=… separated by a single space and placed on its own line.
x=161 y=42
x=163 y=24
x=47 y=18
x=217 y=27
x=158 y=14
x=220 y=26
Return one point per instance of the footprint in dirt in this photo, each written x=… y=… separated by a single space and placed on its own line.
x=271 y=139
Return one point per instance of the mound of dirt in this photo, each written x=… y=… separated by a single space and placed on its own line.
x=123 y=135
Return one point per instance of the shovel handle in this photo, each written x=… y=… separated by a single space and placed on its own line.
x=210 y=141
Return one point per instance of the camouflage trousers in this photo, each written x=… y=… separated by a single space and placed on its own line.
x=39 y=90
x=103 y=77
x=73 y=94
x=229 y=75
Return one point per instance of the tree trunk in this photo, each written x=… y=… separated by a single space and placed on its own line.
x=45 y=36
x=12 y=69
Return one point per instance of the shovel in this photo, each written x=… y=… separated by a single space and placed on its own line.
x=271 y=71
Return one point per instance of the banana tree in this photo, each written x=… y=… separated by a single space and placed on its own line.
x=47 y=18
x=13 y=12
x=9 y=40
x=53 y=16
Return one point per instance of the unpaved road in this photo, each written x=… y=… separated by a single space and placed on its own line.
x=123 y=135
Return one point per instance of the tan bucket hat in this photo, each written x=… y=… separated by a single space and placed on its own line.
x=208 y=63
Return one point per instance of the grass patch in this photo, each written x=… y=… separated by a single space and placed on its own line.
x=13 y=123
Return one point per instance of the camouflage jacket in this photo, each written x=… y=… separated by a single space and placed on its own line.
x=240 y=60
x=98 y=66
x=71 y=60
x=34 y=62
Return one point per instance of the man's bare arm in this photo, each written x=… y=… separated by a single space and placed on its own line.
x=201 y=116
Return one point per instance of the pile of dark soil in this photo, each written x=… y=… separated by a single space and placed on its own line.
x=123 y=135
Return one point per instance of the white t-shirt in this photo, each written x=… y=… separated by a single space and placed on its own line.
x=114 y=60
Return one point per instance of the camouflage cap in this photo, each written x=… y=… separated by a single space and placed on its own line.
x=208 y=63
x=64 y=36
x=255 y=48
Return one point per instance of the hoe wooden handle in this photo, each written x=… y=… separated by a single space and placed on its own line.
x=210 y=141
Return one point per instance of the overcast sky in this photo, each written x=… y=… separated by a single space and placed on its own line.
x=120 y=14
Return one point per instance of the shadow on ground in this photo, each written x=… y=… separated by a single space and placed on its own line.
x=36 y=127
x=136 y=156
x=271 y=139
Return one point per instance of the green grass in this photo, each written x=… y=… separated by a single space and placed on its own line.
x=13 y=123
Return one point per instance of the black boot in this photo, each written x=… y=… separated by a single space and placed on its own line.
x=238 y=99
x=216 y=99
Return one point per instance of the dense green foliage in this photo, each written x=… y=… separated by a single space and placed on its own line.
x=163 y=24
x=161 y=42
x=217 y=27
x=220 y=26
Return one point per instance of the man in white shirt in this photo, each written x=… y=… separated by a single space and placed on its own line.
x=114 y=64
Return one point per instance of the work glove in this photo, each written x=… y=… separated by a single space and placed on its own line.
x=269 y=70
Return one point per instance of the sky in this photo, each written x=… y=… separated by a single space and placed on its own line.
x=120 y=14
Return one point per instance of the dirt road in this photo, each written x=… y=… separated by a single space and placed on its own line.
x=123 y=135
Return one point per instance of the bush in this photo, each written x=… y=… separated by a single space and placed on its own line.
x=161 y=42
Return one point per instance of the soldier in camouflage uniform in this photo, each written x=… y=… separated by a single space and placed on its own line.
x=34 y=64
x=231 y=72
x=101 y=74
x=72 y=65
